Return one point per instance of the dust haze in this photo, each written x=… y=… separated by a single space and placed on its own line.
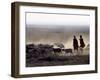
x=51 y=28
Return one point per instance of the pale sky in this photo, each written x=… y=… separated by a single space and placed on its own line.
x=56 y=19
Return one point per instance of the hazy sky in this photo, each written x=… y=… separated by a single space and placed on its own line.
x=52 y=28
x=56 y=19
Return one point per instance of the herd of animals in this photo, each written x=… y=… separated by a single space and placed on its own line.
x=41 y=50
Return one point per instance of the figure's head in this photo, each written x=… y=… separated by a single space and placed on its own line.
x=80 y=36
x=74 y=37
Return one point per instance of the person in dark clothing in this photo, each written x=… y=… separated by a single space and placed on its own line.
x=82 y=44
x=75 y=43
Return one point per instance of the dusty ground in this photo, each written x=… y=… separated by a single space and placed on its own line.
x=56 y=60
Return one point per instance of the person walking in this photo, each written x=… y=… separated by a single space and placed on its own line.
x=75 y=44
x=82 y=44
